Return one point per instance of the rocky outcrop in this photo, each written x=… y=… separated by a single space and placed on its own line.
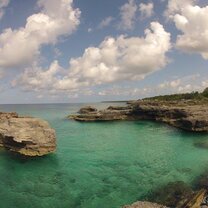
x=87 y=109
x=175 y=195
x=197 y=201
x=109 y=114
x=189 y=115
x=26 y=135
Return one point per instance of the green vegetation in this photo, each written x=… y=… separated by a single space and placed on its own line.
x=185 y=96
x=205 y=93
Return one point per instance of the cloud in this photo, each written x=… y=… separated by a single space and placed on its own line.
x=22 y=46
x=37 y=78
x=128 y=15
x=170 y=84
x=191 y=21
x=124 y=92
x=182 y=85
x=175 y=6
x=115 y=59
x=89 y=30
x=3 y=4
x=106 y=22
x=146 y=10
x=205 y=83
x=1 y=74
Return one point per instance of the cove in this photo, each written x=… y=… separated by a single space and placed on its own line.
x=98 y=164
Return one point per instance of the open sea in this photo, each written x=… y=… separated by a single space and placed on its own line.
x=100 y=164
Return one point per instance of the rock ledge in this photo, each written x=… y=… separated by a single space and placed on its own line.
x=26 y=135
x=190 y=116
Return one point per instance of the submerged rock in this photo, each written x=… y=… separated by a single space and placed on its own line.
x=176 y=197
x=174 y=194
x=180 y=195
x=201 y=144
x=197 y=201
x=144 y=205
x=202 y=181
x=190 y=116
x=26 y=135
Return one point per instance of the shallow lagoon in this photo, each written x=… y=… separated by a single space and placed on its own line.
x=104 y=164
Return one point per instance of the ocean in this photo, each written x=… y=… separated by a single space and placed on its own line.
x=100 y=164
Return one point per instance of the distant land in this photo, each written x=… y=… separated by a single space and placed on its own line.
x=186 y=111
x=195 y=95
x=115 y=101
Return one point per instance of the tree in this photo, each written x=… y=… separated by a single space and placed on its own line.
x=205 y=92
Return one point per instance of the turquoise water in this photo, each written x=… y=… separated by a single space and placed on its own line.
x=98 y=165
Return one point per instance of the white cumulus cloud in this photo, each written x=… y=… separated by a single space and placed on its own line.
x=115 y=59
x=175 y=6
x=56 y=18
x=191 y=20
x=37 y=78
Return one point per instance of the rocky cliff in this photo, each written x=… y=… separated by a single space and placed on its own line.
x=187 y=115
x=26 y=135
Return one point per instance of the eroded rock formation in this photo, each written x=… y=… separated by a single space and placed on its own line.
x=26 y=135
x=191 y=116
x=87 y=109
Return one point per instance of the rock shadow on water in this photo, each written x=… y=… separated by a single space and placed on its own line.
x=181 y=195
x=201 y=144
x=18 y=158
x=201 y=182
x=174 y=194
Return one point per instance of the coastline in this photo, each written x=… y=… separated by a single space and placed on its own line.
x=120 y=140
x=189 y=115
x=186 y=115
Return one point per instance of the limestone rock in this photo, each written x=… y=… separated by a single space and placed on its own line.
x=87 y=109
x=197 y=200
x=190 y=116
x=4 y=115
x=144 y=205
x=118 y=108
x=26 y=135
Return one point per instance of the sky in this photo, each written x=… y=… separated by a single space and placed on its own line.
x=71 y=51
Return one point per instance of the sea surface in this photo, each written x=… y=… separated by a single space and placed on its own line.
x=98 y=165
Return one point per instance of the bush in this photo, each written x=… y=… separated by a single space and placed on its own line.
x=185 y=96
x=205 y=92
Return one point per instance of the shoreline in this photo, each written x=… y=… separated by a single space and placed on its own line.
x=187 y=115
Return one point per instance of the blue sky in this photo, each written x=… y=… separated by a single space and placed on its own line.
x=86 y=51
